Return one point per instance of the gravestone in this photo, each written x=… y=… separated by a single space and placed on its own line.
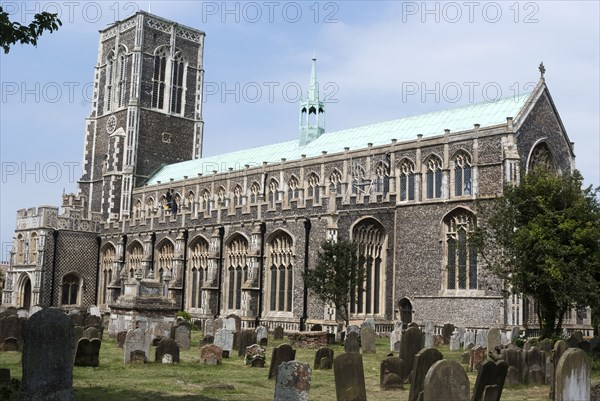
x=478 y=357
x=326 y=363
x=515 y=333
x=218 y=324
x=48 y=357
x=283 y=353
x=469 y=341
x=349 y=377
x=424 y=360
x=321 y=353
x=573 y=376
x=513 y=377
x=447 y=331
x=390 y=373
x=412 y=342
x=138 y=356
x=293 y=381
x=429 y=331
x=491 y=393
x=182 y=334
x=121 y=335
x=352 y=328
x=261 y=332
x=559 y=349
x=4 y=376
x=11 y=344
x=367 y=340
x=136 y=340
x=494 y=339
x=247 y=338
x=535 y=366
x=167 y=346
x=207 y=340
x=278 y=333
x=546 y=345
x=481 y=338
x=237 y=323
x=224 y=340
x=209 y=328
x=88 y=352
x=395 y=339
x=446 y=380
x=91 y=332
x=255 y=356
x=368 y=322
x=491 y=374
x=211 y=354
x=76 y=318
x=351 y=343
x=455 y=341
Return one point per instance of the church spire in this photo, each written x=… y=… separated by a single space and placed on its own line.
x=312 y=110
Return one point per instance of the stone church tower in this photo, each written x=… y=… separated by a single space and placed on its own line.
x=147 y=109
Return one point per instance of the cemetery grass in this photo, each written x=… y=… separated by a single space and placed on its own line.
x=190 y=381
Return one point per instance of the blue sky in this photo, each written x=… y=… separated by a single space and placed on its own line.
x=377 y=60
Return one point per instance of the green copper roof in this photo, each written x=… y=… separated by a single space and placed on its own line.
x=403 y=129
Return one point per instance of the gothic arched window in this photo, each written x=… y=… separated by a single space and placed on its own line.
x=177 y=83
x=313 y=187
x=281 y=271
x=110 y=67
x=108 y=258
x=33 y=248
x=273 y=193
x=293 y=188
x=407 y=180
x=254 y=192
x=433 y=175
x=237 y=195
x=70 y=289
x=166 y=254
x=335 y=180
x=134 y=258
x=541 y=157
x=461 y=256
x=463 y=181
x=158 y=78
x=205 y=200
x=370 y=239
x=198 y=262
x=381 y=177
x=237 y=269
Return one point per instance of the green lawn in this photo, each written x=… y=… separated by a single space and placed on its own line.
x=190 y=381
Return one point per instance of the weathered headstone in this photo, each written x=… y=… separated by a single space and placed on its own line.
x=209 y=328
x=136 y=340
x=395 y=339
x=446 y=380
x=182 y=334
x=167 y=346
x=469 y=340
x=558 y=350
x=490 y=374
x=367 y=340
x=138 y=356
x=412 y=342
x=368 y=322
x=391 y=373
x=349 y=377
x=351 y=343
x=352 y=328
x=88 y=352
x=283 y=353
x=247 y=338
x=515 y=333
x=48 y=357
x=261 y=332
x=293 y=381
x=424 y=360
x=455 y=341
x=481 y=338
x=121 y=335
x=224 y=339
x=429 y=332
x=321 y=353
x=254 y=355
x=535 y=366
x=211 y=354
x=237 y=323
x=478 y=357
x=494 y=339
x=573 y=376
x=278 y=333
x=513 y=377
x=91 y=332
x=325 y=363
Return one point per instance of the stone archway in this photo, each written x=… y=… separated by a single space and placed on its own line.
x=406 y=311
x=25 y=293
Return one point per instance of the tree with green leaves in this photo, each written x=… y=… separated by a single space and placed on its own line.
x=336 y=275
x=542 y=237
x=14 y=32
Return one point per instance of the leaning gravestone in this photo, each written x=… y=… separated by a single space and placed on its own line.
x=88 y=352
x=494 y=339
x=424 y=360
x=283 y=353
x=573 y=378
x=412 y=342
x=390 y=373
x=211 y=355
x=293 y=381
x=48 y=357
x=224 y=340
x=167 y=346
x=349 y=377
x=182 y=335
x=351 y=343
x=367 y=340
x=446 y=380
x=491 y=374
x=321 y=353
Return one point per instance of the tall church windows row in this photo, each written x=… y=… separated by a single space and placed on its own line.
x=281 y=273
x=237 y=271
x=198 y=262
x=107 y=261
x=168 y=81
x=26 y=249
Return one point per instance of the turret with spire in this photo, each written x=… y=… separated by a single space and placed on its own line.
x=312 y=110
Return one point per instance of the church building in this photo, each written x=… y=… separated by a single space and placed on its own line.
x=233 y=233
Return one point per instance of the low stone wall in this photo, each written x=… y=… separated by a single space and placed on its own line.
x=308 y=339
